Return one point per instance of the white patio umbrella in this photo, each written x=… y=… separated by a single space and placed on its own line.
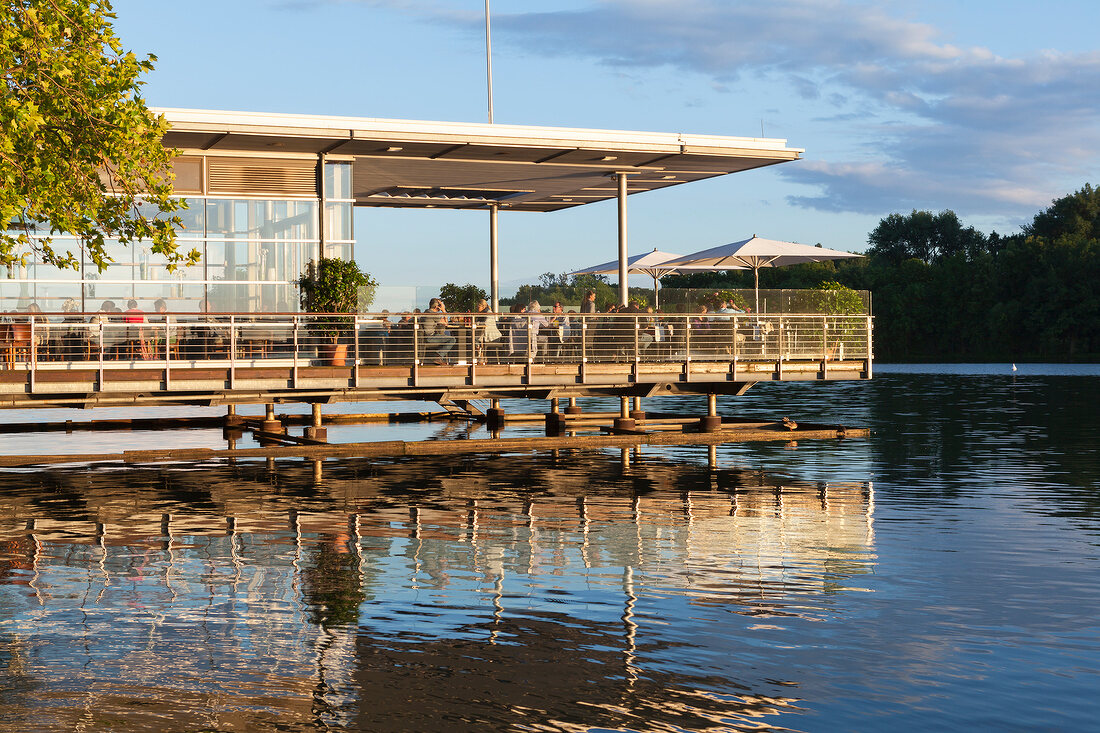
x=652 y=264
x=757 y=252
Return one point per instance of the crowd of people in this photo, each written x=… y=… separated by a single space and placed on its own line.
x=114 y=333
x=526 y=331
x=551 y=333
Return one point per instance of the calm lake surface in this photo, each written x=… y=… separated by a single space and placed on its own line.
x=943 y=574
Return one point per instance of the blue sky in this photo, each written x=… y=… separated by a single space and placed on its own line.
x=991 y=109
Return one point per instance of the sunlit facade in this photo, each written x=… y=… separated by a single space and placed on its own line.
x=257 y=222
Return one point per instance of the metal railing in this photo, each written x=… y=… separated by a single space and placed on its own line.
x=424 y=339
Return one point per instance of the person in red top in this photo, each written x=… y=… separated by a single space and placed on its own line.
x=135 y=337
x=133 y=314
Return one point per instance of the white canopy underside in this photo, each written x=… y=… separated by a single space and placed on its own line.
x=407 y=163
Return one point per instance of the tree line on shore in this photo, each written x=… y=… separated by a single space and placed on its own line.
x=941 y=290
x=945 y=291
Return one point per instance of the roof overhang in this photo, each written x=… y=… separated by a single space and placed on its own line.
x=410 y=163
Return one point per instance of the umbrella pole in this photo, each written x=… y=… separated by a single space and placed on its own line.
x=656 y=297
x=756 y=287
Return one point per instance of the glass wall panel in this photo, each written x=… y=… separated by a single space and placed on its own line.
x=253 y=251
x=338 y=249
x=248 y=219
x=179 y=297
x=124 y=262
x=192 y=219
x=155 y=269
x=338 y=221
x=49 y=296
x=38 y=270
x=253 y=297
x=338 y=180
x=245 y=260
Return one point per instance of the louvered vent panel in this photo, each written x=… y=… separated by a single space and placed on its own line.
x=244 y=176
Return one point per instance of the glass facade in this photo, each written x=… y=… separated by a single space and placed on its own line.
x=252 y=251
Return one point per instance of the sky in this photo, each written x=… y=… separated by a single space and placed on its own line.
x=990 y=109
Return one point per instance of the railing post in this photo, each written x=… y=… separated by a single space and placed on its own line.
x=584 y=349
x=294 y=368
x=870 y=355
x=355 y=358
x=34 y=354
x=687 y=348
x=99 y=376
x=232 y=352
x=167 y=353
x=416 y=352
x=531 y=340
x=637 y=339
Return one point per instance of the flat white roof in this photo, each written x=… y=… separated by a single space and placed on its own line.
x=446 y=164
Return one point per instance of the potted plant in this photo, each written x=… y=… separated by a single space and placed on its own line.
x=329 y=286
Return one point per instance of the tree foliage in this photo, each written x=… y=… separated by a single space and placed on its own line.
x=924 y=236
x=462 y=298
x=80 y=153
x=942 y=290
x=335 y=285
x=567 y=290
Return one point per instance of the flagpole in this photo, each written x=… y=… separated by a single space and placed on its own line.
x=489 y=61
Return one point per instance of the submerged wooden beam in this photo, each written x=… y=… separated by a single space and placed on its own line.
x=443 y=447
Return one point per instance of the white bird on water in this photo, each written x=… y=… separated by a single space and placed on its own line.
x=1013 y=366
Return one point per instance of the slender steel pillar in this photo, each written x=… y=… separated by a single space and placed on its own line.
x=622 y=238
x=488 y=62
x=494 y=269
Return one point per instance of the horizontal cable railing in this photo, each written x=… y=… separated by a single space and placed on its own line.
x=426 y=339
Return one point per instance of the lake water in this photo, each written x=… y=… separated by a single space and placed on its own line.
x=943 y=574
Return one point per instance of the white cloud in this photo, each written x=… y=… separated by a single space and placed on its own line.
x=943 y=125
x=951 y=126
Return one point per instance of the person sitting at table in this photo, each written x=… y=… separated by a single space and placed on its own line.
x=155 y=336
x=74 y=338
x=700 y=330
x=540 y=329
x=135 y=335
x=40 y=332
x=436 y=336
x=486 y=333
x=205 y=339
x=517 y=332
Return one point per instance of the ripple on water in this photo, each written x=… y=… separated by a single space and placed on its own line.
x=940 y=574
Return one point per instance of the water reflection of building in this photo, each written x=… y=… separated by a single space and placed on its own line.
x=298 y=597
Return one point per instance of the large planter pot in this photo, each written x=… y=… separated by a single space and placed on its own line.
x=333 y=354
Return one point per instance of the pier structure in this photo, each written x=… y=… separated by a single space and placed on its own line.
x=268 y=193
x=231 y=359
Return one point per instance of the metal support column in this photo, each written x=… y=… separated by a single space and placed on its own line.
x=624 y=421
x=712 y=421
x=270 y=423
x=316 y=431
x=622 y=239
x=494 y=269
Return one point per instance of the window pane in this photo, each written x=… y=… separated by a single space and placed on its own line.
x=262 y=219
x=343 y=251
x=253 y=297
x=191 y=218
x=338 y=180
x=179 y=296
x=338 y=222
